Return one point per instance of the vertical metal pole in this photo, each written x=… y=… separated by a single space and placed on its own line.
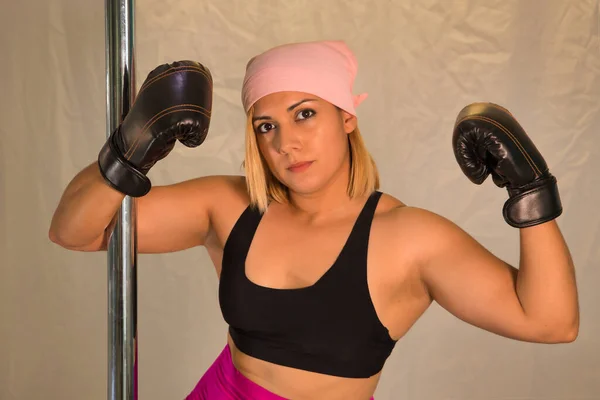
x=122 y=244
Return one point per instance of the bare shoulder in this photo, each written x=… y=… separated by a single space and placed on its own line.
x=219 y=183
x=203 y=194
x=427 y=228
x=419 y=219
x=229 y=199
x=423 y=233
x=401 y=216
x=231 y=190
x=223 y=195
x=388 y=202
x=439 y=248
x=180 y=215
x=228 y=188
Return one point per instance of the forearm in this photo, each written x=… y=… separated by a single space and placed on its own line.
x=546 y=283
x=85 y=209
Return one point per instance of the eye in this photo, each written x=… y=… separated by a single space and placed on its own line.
x=305 y=114
x=264 y=128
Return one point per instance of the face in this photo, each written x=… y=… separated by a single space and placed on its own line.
x=304 y=139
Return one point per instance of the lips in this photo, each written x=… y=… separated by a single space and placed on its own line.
x=300 y=166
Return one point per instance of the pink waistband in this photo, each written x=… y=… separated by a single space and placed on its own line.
x=222 y=381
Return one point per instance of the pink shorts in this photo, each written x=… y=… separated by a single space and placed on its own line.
x=222 y=381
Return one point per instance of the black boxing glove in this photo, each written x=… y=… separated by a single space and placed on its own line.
x=487 y=139
x=174 y=103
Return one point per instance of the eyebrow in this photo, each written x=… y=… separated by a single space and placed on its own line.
x=290 y=108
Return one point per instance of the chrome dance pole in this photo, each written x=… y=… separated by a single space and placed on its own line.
x=122 y=240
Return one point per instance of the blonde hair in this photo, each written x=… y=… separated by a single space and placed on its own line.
x=264 y=187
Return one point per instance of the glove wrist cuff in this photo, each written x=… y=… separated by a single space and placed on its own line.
x=535 y=206
x=119 y=173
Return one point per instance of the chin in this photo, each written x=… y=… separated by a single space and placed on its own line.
x=302 y=185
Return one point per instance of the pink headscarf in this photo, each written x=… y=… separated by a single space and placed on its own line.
x=326 y=69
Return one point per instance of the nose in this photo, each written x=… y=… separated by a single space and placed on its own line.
x=286 y=139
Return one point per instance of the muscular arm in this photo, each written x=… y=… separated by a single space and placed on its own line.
x=84 y=211
x=169 y=218
x=536 y=303
x=546 y=283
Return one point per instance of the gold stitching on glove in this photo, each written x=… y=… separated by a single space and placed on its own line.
x=155 y=118
x=171 y=71
x=174 y=70
x=510 y=135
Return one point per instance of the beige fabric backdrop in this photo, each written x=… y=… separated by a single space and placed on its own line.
x=420 y=60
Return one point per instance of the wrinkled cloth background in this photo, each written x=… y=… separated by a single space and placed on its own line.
x=420 y=61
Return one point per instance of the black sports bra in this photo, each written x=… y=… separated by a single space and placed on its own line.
x=330 y=327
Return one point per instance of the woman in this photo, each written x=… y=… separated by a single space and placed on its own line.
x=320 y=272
